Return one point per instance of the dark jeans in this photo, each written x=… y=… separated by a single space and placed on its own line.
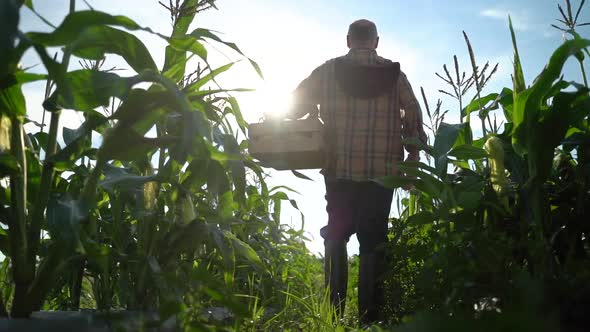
x=357 y=207
x=361 y=208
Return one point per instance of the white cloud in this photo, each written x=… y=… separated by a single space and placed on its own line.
x=520 y=21
x=551 y=33
x=495 y=13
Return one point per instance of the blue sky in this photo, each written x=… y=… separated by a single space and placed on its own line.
x=290 y=38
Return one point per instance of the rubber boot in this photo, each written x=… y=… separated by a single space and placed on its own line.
x=370 y=288
x=336 y=273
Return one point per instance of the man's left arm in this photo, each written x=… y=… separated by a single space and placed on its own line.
x=412 y=118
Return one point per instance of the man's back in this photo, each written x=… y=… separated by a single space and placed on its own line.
x=360 y=95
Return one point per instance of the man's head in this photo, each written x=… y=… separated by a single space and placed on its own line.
x=362 y=34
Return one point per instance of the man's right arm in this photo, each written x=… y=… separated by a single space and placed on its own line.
x=307 y=95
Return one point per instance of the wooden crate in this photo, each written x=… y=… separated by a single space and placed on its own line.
x=288 y=144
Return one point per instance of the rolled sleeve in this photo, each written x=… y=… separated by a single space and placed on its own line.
x=411 y=115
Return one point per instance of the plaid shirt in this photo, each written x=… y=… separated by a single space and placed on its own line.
x=366 y=139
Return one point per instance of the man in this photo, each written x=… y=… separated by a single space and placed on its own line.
x=361 y=97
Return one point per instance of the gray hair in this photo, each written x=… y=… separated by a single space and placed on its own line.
x=362 y=30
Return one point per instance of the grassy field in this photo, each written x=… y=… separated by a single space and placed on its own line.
x=154 y=204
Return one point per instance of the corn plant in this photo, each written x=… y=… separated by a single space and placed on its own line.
x=158 y=213
x=479 y=241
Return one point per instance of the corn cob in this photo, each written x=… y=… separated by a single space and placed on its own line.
x=494 y=148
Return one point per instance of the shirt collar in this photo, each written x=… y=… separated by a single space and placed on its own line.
x=363 y=51
x=361 y=54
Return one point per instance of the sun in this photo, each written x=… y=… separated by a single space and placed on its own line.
x=271 y=98
x=274 y=100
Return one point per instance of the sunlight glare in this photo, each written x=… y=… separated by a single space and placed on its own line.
x=270 y=100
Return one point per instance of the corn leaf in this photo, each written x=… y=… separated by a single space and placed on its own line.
x=96 y=41
x=175 y=59
x=88 y=89
x=68 y=31
x=204 y=33
x=527 y=104
x=467 y=151
x=9 y=19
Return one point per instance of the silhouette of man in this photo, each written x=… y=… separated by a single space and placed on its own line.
x=368 y=107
